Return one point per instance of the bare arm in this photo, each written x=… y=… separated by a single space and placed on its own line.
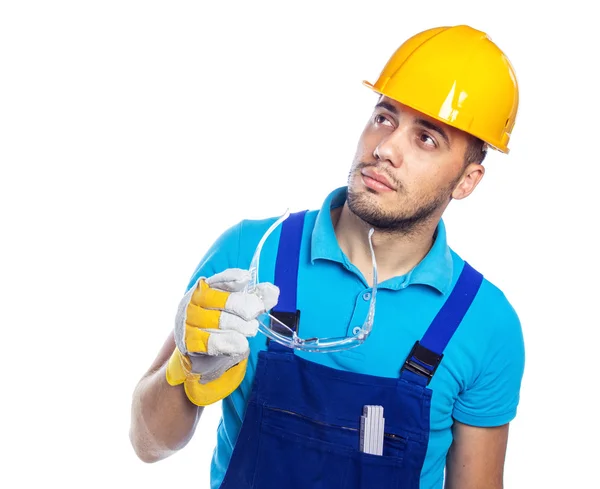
x=476 y=458
x=163 y=420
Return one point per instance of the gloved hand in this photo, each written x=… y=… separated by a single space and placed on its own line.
x=212 y=324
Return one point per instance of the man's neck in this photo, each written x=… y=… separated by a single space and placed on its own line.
x=396 y=253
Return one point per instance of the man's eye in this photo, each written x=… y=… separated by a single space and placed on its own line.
x=427 y=140
x=380 y=119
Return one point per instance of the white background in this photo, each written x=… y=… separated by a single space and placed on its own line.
x=132 y=133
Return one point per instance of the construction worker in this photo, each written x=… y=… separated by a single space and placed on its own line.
x=334 y=389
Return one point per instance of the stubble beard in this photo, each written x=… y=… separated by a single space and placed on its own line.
x=404 y=221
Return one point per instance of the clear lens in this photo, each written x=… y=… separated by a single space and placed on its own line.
x=277 y=331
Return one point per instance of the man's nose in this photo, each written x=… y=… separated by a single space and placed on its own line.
x=389 y=149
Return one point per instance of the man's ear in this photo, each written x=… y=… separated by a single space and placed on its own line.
x=471 y=177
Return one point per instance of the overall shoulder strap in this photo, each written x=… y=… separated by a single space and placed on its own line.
x=286 y=273
x=427 y=354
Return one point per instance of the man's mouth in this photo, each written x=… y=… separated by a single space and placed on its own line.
x=376 y=181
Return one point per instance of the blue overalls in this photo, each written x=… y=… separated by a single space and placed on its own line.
x=301 y=426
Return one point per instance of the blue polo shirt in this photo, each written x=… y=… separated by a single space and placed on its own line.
x=477 y=383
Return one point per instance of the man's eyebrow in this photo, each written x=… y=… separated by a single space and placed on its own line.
x=434 y=127
x=388 y=106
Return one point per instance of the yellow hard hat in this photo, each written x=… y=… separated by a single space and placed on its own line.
x=456 y=75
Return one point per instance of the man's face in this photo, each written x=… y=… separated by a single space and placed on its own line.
x=406 y=167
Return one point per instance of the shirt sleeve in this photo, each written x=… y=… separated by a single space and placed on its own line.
x=492 y=397
x=223 y=254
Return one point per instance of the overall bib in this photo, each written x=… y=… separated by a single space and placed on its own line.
x=301 y=426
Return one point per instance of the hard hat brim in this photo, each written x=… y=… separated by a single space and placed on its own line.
x=368 y=84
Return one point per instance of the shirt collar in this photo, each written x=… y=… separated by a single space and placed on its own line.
x=435 y=269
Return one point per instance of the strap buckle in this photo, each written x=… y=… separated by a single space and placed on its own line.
x=422 y=361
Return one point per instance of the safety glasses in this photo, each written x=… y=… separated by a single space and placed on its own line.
x=277 y=331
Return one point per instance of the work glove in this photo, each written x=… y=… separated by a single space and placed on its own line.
x=213 y=321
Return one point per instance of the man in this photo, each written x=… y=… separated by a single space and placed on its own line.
x=444 y=356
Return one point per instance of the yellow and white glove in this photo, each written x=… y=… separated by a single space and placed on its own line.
x=214 y=320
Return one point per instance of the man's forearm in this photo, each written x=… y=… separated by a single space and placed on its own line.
x=163 y=419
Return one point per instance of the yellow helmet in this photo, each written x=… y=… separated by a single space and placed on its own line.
x=458 y=76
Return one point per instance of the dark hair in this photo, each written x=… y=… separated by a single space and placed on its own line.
x=476 y=151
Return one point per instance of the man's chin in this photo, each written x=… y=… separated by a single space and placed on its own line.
x=367 y=196
x=367 y=206
x=363 y=204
